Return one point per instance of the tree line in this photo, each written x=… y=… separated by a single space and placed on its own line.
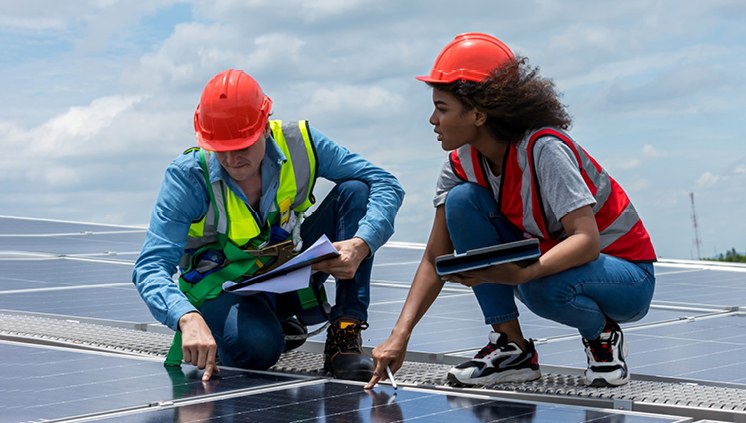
x=731 y=255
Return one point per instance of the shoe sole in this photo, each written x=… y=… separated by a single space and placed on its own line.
x=603 y=383
x=524 y=375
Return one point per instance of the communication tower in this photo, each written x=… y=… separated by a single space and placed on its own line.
x=697 y=241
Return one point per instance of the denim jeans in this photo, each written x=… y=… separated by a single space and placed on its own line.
x=581 y=297
x=247 y=329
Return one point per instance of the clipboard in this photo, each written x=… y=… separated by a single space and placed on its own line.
x=279 y=271
x=523 y=253
x=321 y=250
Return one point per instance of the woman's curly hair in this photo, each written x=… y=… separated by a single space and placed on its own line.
x=515 y=99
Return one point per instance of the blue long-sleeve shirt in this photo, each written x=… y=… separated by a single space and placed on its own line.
x=183 y=199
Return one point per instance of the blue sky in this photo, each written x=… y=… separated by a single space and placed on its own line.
x=99 y=96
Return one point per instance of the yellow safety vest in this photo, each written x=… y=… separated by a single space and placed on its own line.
x=229 y=226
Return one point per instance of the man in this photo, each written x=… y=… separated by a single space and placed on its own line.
x=231 y=208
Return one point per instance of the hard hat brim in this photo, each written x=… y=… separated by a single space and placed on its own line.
x=428 y=78
x=228 y=145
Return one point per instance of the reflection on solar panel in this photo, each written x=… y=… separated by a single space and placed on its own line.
x=79 y=345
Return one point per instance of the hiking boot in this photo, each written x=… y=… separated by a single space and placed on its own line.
x=343 y=352
x=499 y=361
x=606 y=358
x=295 y=333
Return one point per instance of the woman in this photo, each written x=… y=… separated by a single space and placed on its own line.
x=513 y=173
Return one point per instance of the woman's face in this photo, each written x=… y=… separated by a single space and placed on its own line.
x=454 y=124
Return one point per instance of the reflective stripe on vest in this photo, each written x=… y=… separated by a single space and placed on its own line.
x=298 y=175
x=622 y=232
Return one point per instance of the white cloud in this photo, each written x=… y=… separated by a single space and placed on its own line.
x=627 y=164
x=346 y=99
x=637 y=185
x=32 y=23
x=650 y=152
x=327 y=9
x=53 y=154
x=708 y=180
x=69 y=133
x=196 y=51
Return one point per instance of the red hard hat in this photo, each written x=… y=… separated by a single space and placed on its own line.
x=232 y=112
x=469 y=57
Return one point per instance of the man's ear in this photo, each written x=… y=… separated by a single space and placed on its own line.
x=267 y=130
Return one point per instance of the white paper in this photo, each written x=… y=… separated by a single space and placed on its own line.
x=293 y=281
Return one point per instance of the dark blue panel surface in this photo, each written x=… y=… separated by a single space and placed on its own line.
x=119 y=303
x=455 y=323
x=710 y=286
x=45 y=273
x=707 y=349
x=13 y=225
x=43 y=383
x=336 y=402
x=76 y=244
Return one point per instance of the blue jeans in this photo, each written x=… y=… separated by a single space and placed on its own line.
x=581 y=297
x=247 y=329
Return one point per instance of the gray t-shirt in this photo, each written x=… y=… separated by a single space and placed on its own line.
x=562 y=187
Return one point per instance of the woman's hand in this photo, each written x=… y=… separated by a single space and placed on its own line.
x=508 y=274
x=390 y=354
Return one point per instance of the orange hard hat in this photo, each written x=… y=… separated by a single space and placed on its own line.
x=469 y=57
x=232 y=112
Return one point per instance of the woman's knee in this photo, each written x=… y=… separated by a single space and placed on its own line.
x=466 y=198
x=544 y=298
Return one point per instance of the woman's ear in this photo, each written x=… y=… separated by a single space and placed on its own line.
x=480 y=118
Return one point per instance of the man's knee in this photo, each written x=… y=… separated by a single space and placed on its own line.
x=258 y=351
x=354 y=189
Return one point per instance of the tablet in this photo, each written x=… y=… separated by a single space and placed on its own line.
x=523 y=253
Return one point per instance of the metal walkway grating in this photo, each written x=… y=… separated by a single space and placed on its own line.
x=697 y=400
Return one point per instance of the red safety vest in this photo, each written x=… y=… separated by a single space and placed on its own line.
x=622 y=232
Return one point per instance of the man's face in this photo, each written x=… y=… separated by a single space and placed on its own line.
x=244 y=164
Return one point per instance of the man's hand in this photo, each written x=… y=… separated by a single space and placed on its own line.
x=351 y=253
x=197 y=344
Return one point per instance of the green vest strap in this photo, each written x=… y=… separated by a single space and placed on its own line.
x=175 y=355
x=241 y=264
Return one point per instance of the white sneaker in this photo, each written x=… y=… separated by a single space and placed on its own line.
x=606 y=358
x=499 y=361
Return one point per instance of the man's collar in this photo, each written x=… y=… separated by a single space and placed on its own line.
x=272 y=151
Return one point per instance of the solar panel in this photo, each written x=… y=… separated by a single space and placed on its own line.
x=693 y=334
